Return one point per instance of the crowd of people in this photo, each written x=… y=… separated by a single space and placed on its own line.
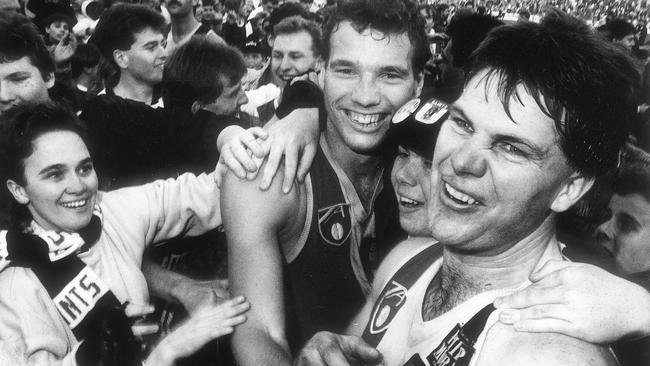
x=376 y=182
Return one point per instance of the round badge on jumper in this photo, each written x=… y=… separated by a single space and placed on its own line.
x=431 y=112
x=406 y=110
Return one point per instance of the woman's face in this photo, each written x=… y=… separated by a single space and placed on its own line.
x=411 y=178
x=60 y=182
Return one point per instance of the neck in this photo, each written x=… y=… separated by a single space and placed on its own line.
x=355 y=165
x=508 y=269
x=183 y=26
x=463 y=276
x=85 y=80
x=130 y=88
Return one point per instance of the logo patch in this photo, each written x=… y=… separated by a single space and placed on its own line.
x=388 y=305
x=431 y=112
x=406 y=110
x=455 y=350
x=335 y=223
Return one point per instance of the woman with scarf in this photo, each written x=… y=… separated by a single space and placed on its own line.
x=71 y=288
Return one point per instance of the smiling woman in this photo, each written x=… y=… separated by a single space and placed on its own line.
x=71 y=258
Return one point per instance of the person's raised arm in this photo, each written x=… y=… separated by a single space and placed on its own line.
x=254 y=221
x=579 y=300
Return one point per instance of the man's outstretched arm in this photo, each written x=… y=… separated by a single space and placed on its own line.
x=254 y=220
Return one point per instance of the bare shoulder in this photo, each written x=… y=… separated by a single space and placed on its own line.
x=399 y=255
x=247 y=196
x=504 y=346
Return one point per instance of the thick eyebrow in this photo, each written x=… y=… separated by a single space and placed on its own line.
x=536 y=151
x=151 y=44
x=342 y=63
x=403 y=72
x=49 y=168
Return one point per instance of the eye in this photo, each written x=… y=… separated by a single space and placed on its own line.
x=462 y=124
x=511 y=149
x=428 y=164
x=54 y=175
x=85 y=169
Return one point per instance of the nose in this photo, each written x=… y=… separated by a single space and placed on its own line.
x=286 y=63
x=404 y=173
x=366 y=92
x=243 y=99
x=6 y=95
x=605 y=234
x=76 y=184
x=467 y=160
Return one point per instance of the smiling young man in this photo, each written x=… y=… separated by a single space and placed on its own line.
x=305 y=258
x=131 y=39
x=521 y=144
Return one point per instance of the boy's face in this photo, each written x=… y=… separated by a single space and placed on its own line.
x=254 y=60
x=57 y=31
x=146 y=57
x=22 y=83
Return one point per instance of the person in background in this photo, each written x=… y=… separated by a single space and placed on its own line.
x=184 y=25
x=130 y=37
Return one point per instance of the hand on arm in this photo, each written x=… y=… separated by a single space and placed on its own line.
x=579 y=300
x=192 y=294
x=329 y=349
x=207 y=324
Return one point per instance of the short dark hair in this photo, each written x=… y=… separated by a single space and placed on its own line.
x=466 y=32
x=619 y=29
x=634 y=174
x=584 y=83
x=120 y=23
x=86 y=55
x=284 y=11
x=20 y=126
x=296 y=24
x=20 y=38
x=386 y=16
x=194 y=71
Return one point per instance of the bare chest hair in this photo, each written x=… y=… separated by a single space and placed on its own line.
x=366 y=187
x=447 y=289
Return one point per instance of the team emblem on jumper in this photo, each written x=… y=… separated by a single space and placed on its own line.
x=406 y=110
x=431 y=112
x=335 y=223
x=391 y=300
x=455 y=350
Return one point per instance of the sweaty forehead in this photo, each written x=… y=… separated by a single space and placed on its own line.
x=370 y=47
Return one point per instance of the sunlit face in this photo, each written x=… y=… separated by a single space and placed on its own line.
x=179 y=8
x=21 y=82
x=367 y=78
x=626 y=235
x=292 y=55
x=57 y=31
x=145 y=59
x=494 y=180
x=60 y=183
x=627 y=41
x=411 y=178
x=232 y=97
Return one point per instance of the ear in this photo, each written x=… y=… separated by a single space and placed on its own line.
x=574 y=188
x=269 y=40
x=18 y=192
x=196 y=106
x=418 y=88
x=49 y=79
x=121 y=59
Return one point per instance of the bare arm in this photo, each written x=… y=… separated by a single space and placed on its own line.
x=579 y=300
x=254 y=221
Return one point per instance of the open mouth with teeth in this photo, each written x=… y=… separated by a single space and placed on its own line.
x=459 y=197
x=74 y=204
x=366 y=120
x=407 y=202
